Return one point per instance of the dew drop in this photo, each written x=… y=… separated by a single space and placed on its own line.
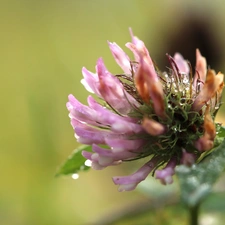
x=185 y=81
x=75 y=176
x=88 y=163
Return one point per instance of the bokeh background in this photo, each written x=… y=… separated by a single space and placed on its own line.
x=43 y=46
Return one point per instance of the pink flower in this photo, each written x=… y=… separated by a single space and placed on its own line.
x=167 y=117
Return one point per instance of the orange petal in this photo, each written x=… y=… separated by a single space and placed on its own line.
x=206 y=142
x=153 y=127
x=212 y=85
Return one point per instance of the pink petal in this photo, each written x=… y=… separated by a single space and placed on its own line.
x=121 y=57
x=181 y=63
x=165 y=175
x=90 y=81
x=124 y=145
x=112 y=90
x=94 y=136
x=201 y=69
x=128 y=183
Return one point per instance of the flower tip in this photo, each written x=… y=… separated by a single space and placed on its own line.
x=100 y=67
x=187 y=158
x=153 y=127
x=84 y=71
x=198 y=53
x=86 y=155
x=165 y=176
x=109 y=43
x=71 y=99
x=127 y=187
x=131 y=32
x=100 y=60
x=124 y=186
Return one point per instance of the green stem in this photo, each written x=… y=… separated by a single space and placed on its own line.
x=194 y=213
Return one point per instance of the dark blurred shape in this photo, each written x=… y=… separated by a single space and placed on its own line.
x=194 y=32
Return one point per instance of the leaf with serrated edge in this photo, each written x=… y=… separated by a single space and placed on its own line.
x=196 y=182
x=75 y=162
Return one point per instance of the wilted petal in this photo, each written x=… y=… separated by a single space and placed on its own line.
x=153 y=127
x=206 y=142
x=212 y=85
x=201 y=70
x=149 y=86
x=209 y=126
x=146 y=78
x=138 y=48
x=132 y=46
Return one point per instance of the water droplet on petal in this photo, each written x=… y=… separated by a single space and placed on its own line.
x=185 y=80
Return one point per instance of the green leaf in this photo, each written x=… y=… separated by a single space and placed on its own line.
x=75 y=162
x=196 y=182
x=221 y=132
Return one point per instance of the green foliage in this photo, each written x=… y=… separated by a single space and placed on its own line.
x=196 y=182
x=220 y=134
x=75 y=162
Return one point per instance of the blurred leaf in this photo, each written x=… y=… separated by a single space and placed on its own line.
x=220 y=135
x=221 y=132
x=75 y=162
x=196 y=182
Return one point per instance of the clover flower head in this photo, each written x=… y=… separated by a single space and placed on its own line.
x=165 y=117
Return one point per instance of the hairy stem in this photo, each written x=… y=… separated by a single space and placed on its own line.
x=194 y=213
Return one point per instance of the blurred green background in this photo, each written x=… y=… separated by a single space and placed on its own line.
x=43 y=46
